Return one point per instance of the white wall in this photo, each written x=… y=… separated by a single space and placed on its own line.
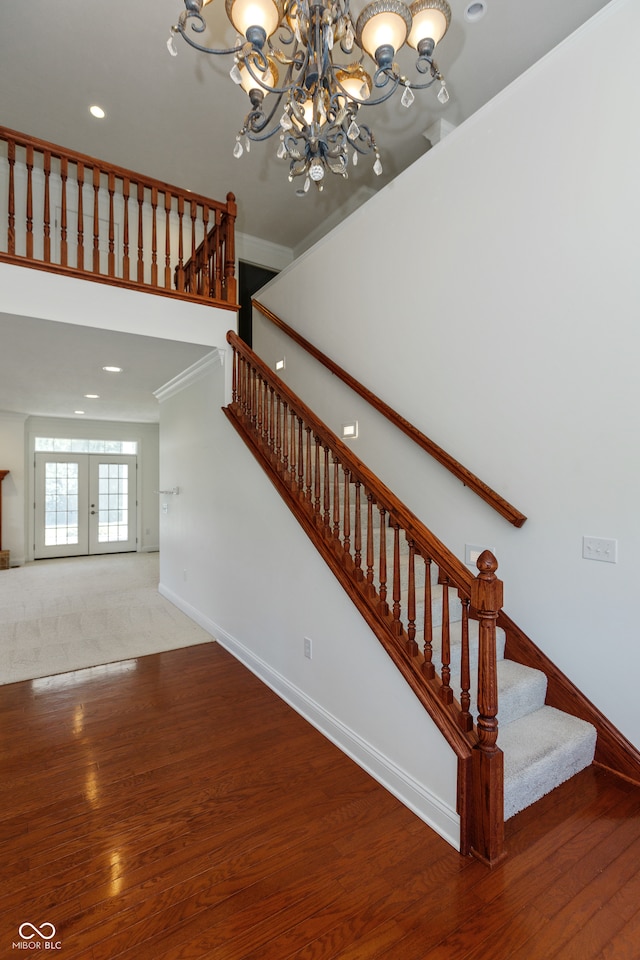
x=492 y=298
x=12 y=490
x=37 y=293
x=235 y=559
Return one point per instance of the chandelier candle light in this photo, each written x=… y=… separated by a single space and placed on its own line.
x=309 y=56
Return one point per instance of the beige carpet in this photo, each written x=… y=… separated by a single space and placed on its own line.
x=63 y=615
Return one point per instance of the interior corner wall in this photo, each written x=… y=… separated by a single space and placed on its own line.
x=235 y=559
x=492 y=299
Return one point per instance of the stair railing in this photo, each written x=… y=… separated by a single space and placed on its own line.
x=418 y=598
x=69 y=213
x=469 y=479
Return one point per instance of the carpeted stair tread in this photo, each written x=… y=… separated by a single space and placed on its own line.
x=521 y=691
x=541 y=751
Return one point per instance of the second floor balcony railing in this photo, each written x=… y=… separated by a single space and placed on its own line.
x=73 y=214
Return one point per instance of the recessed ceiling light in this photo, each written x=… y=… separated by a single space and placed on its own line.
x=92 y=396
x=475 y=10
x=97 y=112
x=113 y=369
x=79 y=412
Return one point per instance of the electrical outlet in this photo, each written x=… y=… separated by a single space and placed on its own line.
x=307 y=648
x=598 y=548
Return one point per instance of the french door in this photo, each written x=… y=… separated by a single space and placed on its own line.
x=85 y=503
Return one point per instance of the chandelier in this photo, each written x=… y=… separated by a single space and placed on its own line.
x=303 y=65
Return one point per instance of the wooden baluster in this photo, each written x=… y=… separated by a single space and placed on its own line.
x=154 y=236
x=272 y=434
x=259 y=406
x=308 y=472
x=370 y=588
x=427 y=667
x=234 y=378
x=357 y=543
x=292 y=449
x=96 y=220
x=168 y=199
x=11 y=200
x=285 y=441
x=111 y=259
x=179 y=275
x=412 y=646
x=140 y=273
x=204 y=280
x=63 y=212
x=466 y=720
x=346 y=523
x=397 y=624
x=327 y=493
x=244 y=387
x=193 y=283
x=80 y=246
x=230 y=250
x=488 y=760
x=255 y=398
x=382 y=569
x=30 y=202
x=126 y=186
x=219 y=255
x=278 y=437
x=316 y=477
x=47 y=207
x=300 y=457
x=446 y=693
x=336 y=499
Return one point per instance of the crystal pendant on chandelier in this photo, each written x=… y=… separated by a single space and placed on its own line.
x=377 y=167
x=354 y=131
x=408 y=97
x=443 y=93
x=171 y=46
x=235 y=74
x=237 y=150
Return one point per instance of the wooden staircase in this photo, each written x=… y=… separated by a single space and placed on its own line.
x=444 y=629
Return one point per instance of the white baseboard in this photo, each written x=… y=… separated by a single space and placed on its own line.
x=414 y=795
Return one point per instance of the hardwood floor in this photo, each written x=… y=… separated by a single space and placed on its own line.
x=176 y=809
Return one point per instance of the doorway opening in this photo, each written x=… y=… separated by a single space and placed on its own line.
x=85 y=503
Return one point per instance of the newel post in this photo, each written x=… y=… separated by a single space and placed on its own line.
x=488 y=765
x=230 y=250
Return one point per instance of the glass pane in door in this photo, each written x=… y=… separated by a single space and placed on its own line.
x=113 y=502
x=61 y=503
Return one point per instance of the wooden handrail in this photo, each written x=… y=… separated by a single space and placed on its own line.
x=59 y=198
x=397 y=572
x=469 y=479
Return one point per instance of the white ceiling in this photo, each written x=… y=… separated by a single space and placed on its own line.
x=46 y=368
x=175 y=118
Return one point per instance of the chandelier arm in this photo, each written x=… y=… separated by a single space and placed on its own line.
x=290 y=82
x=180 y=28
x=369 y=143
x=252 y=134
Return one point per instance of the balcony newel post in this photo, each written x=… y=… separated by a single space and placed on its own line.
x=488 y=760
x=230 y=250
